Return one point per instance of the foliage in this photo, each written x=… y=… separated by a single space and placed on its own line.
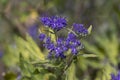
x=106 y=49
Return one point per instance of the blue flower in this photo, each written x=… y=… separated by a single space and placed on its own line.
x=48 y=40
x=59 y=52
x=46 y=21
x=50 y=54
x=60 y=48
x=115 y=77
x=1 y=54
x=55 y=22
x=73 y=43
x=71 y=37
x=80 y=29
x=42 y=36
x=62 y=45
x=74 y=51
x=60 y=41
x=49 y=44
x=32 y=31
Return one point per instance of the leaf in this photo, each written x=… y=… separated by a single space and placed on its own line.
x=29 y=48
x=11 y=56
x=71 y=73
x=26 y=68
x=10 y=76
x=93 y=49
x=90 y=29
x=89 y=55
x=49 y=76
x=104 y=73
x=37 y=52
x=52 y=36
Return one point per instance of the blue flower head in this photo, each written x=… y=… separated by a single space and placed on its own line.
x=71 y=37
x=59 y=47
x=74 y=51
x=56 y=23
x=80 y=29
x=49 y=44
x=32 y=31
x=42 y=36
x=1 y=54
x=115 y=77
x=46 y=21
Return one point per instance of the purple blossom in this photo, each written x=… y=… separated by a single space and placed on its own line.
x=48 y=40
x=59 y=41
x=74 y=51
x=1 y=54
x=80 y=29
x=50 y=54
x=42 y=36
x=32 y=31
x=62 y=45
x=48 y=44
x=62 y=55
x=59 y=48
x=55 y=49
x=46 y=21
x=115 y=77
x=55 y=22
x=73 y=43
x=71 y=37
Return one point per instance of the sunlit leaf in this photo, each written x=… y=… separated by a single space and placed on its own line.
x=89 y=55
x=90 y=29
x=10 y=76
x=71 y=73
x=29 y=47
x=52 y=35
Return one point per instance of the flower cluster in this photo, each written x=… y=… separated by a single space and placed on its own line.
x=115 y=77
x=56 y=23
x=62 y=45
x=80 y=29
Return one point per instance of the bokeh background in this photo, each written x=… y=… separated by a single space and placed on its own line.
x=17 y=17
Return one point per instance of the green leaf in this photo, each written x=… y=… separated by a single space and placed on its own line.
x=11 y=56
x=52 y=36
x=90 y=29
x=26 y=68
x=10 y=76
x=71 y=73
x=89 y=55
x=49 y=76
x=104 y=73
x=29 y=48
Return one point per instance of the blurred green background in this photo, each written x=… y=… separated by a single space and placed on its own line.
x=17 y=16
